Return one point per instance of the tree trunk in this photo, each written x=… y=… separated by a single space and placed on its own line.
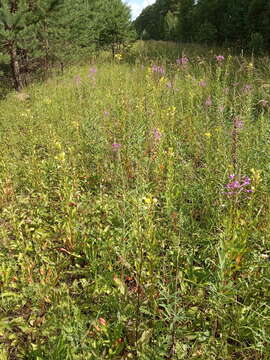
x=15 y=66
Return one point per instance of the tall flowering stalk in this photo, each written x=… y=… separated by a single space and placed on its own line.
x=237 y=126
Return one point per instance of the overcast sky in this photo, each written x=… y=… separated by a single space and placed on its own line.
x=138 y=5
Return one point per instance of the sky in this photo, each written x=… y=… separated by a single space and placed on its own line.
x=137 y=6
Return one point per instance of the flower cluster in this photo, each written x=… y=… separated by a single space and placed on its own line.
x=236 y=186
x=158 y=69
x=220 y=58
x=116 y=146
x=182 y=61
x=157 y=134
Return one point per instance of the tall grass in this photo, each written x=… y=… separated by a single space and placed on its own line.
x=135 y=210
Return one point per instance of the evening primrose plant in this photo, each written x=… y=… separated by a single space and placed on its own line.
x=134 y=199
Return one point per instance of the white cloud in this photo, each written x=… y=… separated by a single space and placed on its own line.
x=138 y=5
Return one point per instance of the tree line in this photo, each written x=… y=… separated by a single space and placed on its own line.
x=37 y=34
x=239 y=23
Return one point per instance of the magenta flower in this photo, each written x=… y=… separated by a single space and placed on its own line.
x=157 y=134
x=220 y=58
x=202 y=83
x=158 y=69
x=235 y=187
x=92 y=70
x=221 y=108
x=183 y=61
x=208 y=102
x=247 y=88
x=116 y=146
x=238 y=123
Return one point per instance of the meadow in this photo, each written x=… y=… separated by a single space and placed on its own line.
x=135 y=209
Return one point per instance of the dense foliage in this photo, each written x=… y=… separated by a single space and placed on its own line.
x=34 y=34
x=242 y=23
x=134 y=205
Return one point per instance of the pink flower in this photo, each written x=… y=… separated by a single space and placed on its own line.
x=182 y=61
x=116 y=146
x=158 y=69
x=220 y=58
x=202 y=83
x=208 y=101
x=157 y=134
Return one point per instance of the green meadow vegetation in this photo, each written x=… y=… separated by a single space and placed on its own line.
x=134 y=199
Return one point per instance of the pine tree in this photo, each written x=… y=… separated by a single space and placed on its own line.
x=19 y=21
x=114 y=25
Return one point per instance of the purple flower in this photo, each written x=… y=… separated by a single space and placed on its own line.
x=235 y=187
x=158 y=69
x=157 y=134
x=220 y=58
x=106 y=113
x=92 y=70
x=247 y=88
x=202 y=83
x=238 y=123
x=208 y=101
x=116 y=146
x=246 y=181
x=182 y=61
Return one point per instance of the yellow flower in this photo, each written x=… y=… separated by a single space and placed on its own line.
x=47 y=101
x=208 y=134
x=118 y=57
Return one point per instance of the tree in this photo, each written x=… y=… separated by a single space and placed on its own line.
x=19 y=20
x=113 y=24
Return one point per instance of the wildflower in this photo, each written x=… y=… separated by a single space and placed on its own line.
x=116 y=146
x=47 y=101
x=202 y=83
x=247 y=88
x=102 y=321
x=182 y=61
x=220 y=58
x=208 y=101
x=238 y=124
x=158 y=69
x=92 y=70
x=208 y=134
x=157 y=134
x=118 y=57
x=238 y=185
x=250 y=66
x=106 y=113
